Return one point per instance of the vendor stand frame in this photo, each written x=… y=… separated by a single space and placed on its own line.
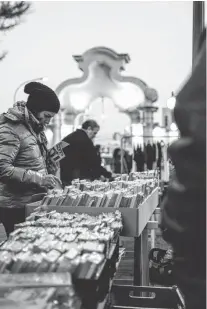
x=137 y=293
x=135 y=222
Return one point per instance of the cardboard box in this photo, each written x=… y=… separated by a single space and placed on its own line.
x=134 y=219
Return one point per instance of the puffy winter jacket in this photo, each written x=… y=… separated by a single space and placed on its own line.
x=21 y=162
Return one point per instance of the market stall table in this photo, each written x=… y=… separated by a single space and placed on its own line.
x=135 y=222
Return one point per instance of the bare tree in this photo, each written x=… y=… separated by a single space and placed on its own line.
x=11 y=15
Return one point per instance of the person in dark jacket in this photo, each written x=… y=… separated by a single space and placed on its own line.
x=25 y=168
x=101 y=171
x=183 y=218
x=81 y=160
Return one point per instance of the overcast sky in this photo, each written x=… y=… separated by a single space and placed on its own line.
x=156 y=35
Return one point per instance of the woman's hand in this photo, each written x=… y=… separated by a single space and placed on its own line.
x=102 y=178
x=51 y=181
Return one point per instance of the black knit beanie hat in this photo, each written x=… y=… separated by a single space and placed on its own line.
x=41 y=98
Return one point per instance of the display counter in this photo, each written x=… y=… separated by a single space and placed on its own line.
x=45 y=218
x=134 y=225
x=134 y=219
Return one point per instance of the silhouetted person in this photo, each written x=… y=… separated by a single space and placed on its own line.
x=81 y=159
x=183 y=219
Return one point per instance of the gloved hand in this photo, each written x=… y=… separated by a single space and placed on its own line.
x=50 y=182
x=115 y=175
x=102 y=178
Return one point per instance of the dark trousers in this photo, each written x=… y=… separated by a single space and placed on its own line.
x=11 y=216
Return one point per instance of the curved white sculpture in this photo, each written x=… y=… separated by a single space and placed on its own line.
x=102 y=77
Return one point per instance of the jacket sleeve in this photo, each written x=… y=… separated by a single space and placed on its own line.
x=184 y=208
x=95 y=164
x=9 y=148
x=104 y=172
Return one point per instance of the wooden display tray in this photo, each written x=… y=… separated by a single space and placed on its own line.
x=145 y=210
x=134 y=220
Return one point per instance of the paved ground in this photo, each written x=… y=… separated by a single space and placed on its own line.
x=126 y=266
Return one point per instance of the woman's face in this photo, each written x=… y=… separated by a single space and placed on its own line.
x=92 y=132
x=45 y=117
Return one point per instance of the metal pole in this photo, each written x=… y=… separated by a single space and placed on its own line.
x=15 y=94
x=122 y=155
x=24 y=83
x=198 y=25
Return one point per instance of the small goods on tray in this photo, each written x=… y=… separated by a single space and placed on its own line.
x=55 y=242
x=42 y=291
x=127 y=191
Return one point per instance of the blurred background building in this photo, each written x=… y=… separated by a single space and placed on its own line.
x=123 y=71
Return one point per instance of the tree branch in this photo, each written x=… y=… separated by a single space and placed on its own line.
x=3 y=55
x=10 y=16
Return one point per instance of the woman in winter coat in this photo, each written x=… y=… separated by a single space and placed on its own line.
x=25 y=168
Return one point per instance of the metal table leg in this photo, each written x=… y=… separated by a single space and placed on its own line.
x=137 y=261
x=141 y=262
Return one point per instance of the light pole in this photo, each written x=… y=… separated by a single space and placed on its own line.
x=171 y=101
x=28 y=81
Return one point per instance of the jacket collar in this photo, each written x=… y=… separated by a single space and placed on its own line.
x=20 y=113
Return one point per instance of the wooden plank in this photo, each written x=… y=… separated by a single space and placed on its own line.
x=146 y=210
